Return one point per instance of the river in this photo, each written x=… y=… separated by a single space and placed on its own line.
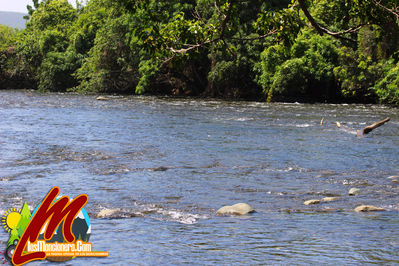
x=273 y=156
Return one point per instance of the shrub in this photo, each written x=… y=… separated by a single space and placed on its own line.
x=304 y=71
x=387 y=88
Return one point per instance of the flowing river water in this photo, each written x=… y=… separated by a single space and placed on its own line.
x=166 y=165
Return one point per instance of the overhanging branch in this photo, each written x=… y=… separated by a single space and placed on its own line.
x=322 y=30
x=395 y=11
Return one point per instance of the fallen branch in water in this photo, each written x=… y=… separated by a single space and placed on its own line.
x=343 y=127
x=365 y=130
x=370 y=128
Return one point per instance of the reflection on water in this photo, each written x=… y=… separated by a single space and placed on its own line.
x=166 y=165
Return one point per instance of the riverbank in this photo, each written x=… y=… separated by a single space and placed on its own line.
x=260 y=99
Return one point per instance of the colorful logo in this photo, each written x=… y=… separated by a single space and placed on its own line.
x=58 y=230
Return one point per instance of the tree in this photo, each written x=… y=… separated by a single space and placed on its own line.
x=44 y=44
x=31 y=9
x=298 y=49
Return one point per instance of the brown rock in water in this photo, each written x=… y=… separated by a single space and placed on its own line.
x=236 y=209
x=394 y=178
x=368 y=208
x=312 y=202
x=160 y=169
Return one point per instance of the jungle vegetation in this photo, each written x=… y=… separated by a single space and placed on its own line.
x=275 y=50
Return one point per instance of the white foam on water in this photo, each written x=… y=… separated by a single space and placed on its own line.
x=238 y=119
x=173 y=215
x=153 y=211
x=182 y=217
x=303 y=125
x=242 y=119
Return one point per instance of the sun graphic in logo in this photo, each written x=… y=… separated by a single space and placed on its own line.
x=11 y=219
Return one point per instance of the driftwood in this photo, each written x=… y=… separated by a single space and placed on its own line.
x=343 y=127
x=365 y=130
x=370 y=128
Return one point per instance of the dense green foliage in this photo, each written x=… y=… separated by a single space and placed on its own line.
x=326 y=51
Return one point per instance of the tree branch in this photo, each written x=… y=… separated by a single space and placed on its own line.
x=395 y=11
x=370 y=128
x=310 y=17
x=321 y=30
x=255 y=38
x=191 y=46
x=224 y=22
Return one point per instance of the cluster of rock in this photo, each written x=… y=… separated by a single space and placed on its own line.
x=316 y=201
x=351 y=192
x=244 y=208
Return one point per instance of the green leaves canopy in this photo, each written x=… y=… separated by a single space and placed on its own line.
x=277 y=50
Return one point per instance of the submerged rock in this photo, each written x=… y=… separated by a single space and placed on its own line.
x=329 y=199
x=104 y=213
x=368 y=208
x=312 y=202
x=160 y=169
x=394 y=178
x=101 y=98
x=353 y=191
x=236 y=209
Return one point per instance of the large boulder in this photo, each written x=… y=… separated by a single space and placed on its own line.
x=236 y=209
x=104 y=213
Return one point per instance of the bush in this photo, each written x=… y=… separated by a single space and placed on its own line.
x=357 y=75
x=306 y=69
x=387 y=88
x=291 y=80
x=111 y=65
x=55 y=73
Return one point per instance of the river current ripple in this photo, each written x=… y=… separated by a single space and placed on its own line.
x=166 y=165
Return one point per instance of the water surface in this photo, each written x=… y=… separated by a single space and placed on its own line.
x=211 y=153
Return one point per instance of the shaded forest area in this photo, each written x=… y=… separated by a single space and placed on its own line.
x=299 y=50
